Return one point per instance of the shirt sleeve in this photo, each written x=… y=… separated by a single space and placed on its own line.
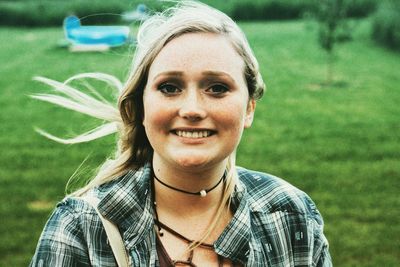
x=321 y=255
x=62 y=241
x=324 y=258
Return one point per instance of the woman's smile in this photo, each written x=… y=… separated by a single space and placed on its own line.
x=193 y=134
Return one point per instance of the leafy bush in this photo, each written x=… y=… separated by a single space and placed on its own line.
x=52 y=12
x=27 y=14
x=269 y=10
x=286 y=9
x=386 y=25
x=360 y=8
x=47 y=13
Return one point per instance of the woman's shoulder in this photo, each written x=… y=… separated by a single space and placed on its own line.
x=72 y=212
x=268 y=193
x=77 y=208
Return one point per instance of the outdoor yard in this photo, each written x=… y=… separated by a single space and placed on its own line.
x=339 y=143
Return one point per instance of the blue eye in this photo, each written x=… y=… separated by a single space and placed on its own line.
x=169 y=89
x=218 y=89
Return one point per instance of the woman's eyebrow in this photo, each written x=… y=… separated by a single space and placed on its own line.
x=219 y=74
x=169 y=74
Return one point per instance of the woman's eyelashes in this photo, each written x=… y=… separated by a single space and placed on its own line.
x=217 y=89
x=169 y=89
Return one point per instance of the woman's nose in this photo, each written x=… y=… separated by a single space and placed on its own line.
x=192 y=106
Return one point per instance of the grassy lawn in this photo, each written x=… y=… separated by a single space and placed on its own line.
x=340 y=144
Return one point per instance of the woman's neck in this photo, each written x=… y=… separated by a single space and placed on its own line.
x=190 y=180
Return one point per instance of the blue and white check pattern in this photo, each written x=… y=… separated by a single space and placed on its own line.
x=274 y=224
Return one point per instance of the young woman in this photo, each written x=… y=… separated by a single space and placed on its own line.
x=173 y=189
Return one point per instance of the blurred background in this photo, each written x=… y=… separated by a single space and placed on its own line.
x=329 y=122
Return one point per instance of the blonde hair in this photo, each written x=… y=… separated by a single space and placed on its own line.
x=133 y=148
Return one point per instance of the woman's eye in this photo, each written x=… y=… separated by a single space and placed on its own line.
x=218 y=89
x=169 y=89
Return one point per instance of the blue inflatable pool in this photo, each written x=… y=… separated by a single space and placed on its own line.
x=94 y=35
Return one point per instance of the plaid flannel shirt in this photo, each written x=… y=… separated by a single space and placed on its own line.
x=274 y=224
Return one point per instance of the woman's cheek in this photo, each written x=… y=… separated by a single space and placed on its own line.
x=231 y=115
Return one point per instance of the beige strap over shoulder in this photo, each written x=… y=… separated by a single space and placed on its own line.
x=113 y=234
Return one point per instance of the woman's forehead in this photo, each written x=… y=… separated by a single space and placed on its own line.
x=198 y=52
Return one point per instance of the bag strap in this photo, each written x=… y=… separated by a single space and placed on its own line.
x=113 y=234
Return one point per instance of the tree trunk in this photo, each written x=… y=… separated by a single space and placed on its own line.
x=329 y=67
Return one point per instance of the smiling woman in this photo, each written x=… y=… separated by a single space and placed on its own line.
x=173 y=194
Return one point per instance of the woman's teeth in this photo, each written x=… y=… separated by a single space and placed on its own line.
x=193 y=134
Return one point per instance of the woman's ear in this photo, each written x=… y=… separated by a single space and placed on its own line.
x=251 y=106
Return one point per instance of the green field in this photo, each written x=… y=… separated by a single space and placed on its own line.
x=340 y=143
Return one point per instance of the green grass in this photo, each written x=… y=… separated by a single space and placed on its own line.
x=340 y=144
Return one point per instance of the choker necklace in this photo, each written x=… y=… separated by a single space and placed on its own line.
x=201 y=193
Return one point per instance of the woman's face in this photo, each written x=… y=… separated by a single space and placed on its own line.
x=196 y=102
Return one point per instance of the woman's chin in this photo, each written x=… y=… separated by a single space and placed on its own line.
x=192 y=162
x=196 y=161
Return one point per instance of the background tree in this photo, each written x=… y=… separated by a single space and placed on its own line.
x=386 y=24
x=331 y=15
